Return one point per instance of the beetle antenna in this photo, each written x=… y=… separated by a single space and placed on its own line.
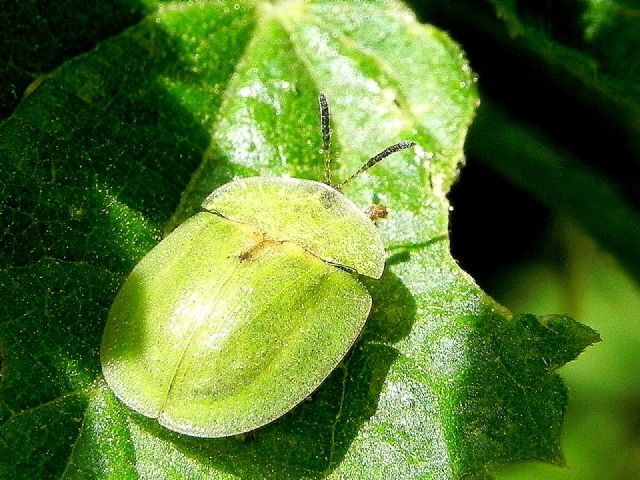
x=326 y=136
x=377 y=158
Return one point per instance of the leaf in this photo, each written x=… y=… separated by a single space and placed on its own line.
x=124 y=141
x=585 y=47
x=591 y=41
x=35 y=38
x=602 y=398
x=558 y=77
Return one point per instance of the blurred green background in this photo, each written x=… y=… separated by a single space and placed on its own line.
x=553 y=161
x=571 y=273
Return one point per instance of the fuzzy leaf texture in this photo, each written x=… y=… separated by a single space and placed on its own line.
x=131 y=117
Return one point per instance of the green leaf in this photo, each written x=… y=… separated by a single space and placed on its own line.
x=37 y=36
x=124 y=141
x=585 y=49
x=600 y=438
x=589 y=40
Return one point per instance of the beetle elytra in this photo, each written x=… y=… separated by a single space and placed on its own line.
x=243 y=310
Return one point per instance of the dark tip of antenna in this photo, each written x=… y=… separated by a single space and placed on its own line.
x=381 y=156
x=388 y=151
x=404 y=144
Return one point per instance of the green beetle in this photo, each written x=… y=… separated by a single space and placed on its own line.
x=243 y=310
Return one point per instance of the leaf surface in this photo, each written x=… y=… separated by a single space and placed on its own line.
x=115 y=146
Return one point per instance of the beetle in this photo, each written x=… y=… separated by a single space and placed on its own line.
x=244 y=309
